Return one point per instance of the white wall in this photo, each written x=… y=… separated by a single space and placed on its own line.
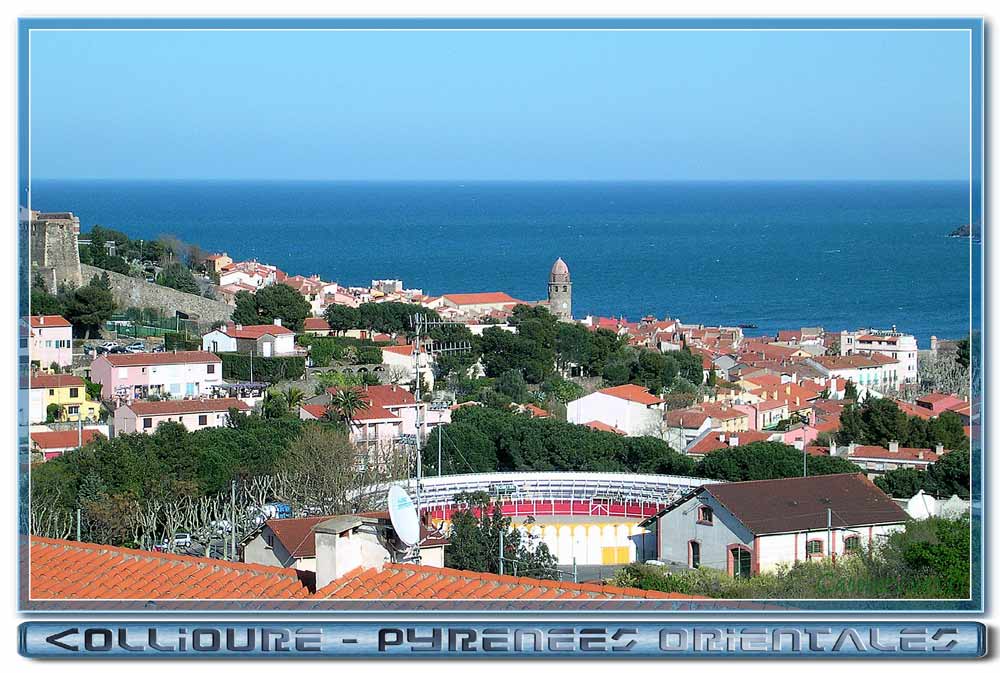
x=631 y=417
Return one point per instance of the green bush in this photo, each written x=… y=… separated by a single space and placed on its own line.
x=236 y=366
x=176 y=341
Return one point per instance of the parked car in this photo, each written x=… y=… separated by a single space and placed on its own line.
x=137 y=347
x=108 y=345
x=182 y=539
x=655 y=562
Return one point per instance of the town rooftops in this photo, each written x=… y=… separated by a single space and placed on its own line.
x=49 y=321
x=474 y=298
x=714 y=440
x=254 y=331
x=64 y=569
x=55 y=381
x=175 y=407
x=389 y=395
x=632 y=393
x=64 y=439
x=769 y=506
x=870 y=452
x=154 y=359
x=406 y=350
x=690 y=419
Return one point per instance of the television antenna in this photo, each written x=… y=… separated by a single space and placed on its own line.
x=421 y=324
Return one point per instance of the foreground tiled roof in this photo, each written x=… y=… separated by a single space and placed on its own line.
x=67 y=569
x=396 y=580
x=604 y=427
x=153 y=359
x=315 y=324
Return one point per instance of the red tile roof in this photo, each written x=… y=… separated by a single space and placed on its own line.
x=834 y=362
x=256 y=331
x=473 y=298
x=49 y=321
x=604 y=427
x=632 y=393
x=55 y=381
x=63 y=439
x=66 y=569
x=400 y=350
x=315 y=324
x=172 y=407
x=712 y=442
x=882 y=453
x=63 y=569
x=154 y=359
x=388 y=395
x=536 y=412
x=297 y=537
x=685 y=418
x=397 y=580
x=315 y=410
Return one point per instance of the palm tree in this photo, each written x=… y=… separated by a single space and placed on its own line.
x=344 y=406
x=294 y=397
x=274 y=405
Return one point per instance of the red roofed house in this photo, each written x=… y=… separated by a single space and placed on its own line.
x=938 y=403
x=56 y=443
x=603 y=427
x=713 y=440
x=193 y=414
x=749 y=527
x=182 y=374
x=889 y=344
x=317 y=327
x=263 y=340
x=392 y=411
x=51 y=341
x=69 y=393
x=629 y=408
x=878 y=372
x=876 y=460
x=479 y=302
x=217 y=262
x=399 y=360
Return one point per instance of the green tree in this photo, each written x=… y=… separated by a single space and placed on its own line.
x=902 y=483
x=766 y=460
x=342 y=318
x=90 y=306
x=345 y=405
x=962 y=354
x=950 y=474
x=274 y=301
x=512 y=384
x=178 y=277
x=475 y=542
x=850 y=391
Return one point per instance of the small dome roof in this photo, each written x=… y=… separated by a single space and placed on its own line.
x=560 y=270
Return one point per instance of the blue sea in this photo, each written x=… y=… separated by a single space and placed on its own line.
x=842 y=255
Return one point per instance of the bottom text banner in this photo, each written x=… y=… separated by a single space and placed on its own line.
x=175 y=639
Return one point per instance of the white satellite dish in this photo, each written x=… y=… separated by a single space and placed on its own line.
x=403 y=515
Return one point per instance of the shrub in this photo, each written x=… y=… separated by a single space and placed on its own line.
x=236 y=366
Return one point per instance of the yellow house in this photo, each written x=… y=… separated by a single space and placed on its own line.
x=69 y=392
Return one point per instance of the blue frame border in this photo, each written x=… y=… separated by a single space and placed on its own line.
x=976 y=28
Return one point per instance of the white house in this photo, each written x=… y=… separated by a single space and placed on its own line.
x=749 y=527
x=193 y=414
x=51 y=341
x=889 y=343
x=629 y=408
x=877 y=372
x=262 y=340
x=401 y=358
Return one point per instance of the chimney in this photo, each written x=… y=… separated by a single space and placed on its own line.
x=734 y=440
x=238 y=326
x=341 y=546
x=41 y=320
x=920 y=455
x=939 y=449
x=850 y=448
x=277 y=322
x=893 y=447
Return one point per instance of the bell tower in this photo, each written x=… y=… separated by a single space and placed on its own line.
x=561 y=291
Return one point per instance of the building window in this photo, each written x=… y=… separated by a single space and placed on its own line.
x=73 y=411
x=852 y=544
x=814 y=548
x=694 y=554
x=211 y=369
x=74 y=392
x=270 y=540
x=52 y=392
x=742 y=566
x=705 y=516
x=147 y=422
x=203 y=419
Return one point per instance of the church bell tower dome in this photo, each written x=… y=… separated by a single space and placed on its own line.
x=561 y=291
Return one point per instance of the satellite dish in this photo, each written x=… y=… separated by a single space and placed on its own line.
x=403 y=515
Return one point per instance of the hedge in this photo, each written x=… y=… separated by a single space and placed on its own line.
x=325 y=351
x=236 y=366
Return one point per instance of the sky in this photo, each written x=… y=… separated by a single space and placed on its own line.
x=500 y=105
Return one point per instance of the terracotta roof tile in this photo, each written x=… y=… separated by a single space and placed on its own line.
x=632 y=393
x=170 y=407
x=155 y=359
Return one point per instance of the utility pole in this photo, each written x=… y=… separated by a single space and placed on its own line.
x=251 y=365
x=829 y=532
x=232 y=520
x=440 y=430
x=78 y=538
x=501 y=550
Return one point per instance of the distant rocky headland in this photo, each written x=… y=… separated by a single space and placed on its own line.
x=965 y=231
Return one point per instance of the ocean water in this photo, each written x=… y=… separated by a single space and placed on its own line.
x=839 y=254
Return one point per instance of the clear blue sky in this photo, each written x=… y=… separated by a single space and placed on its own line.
x=500 y=105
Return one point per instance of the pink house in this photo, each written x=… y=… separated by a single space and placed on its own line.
x=193 y=414
x=51 y=341
x=182 y=374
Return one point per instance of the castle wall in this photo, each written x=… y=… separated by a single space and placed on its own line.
x=137 y=292
x=54 y=252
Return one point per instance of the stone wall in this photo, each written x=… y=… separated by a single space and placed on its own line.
x=137 y=292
